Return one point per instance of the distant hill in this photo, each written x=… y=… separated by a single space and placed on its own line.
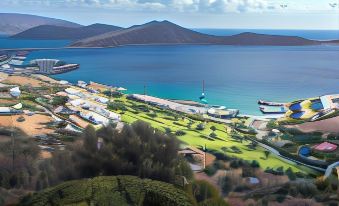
x=11 y=23
x=165 y=32
x=113 y=190
x=49 y=32
x=249 y=38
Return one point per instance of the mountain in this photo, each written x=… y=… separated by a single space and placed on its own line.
x=165 y=32
x=11 y=23
x=49 y=32
x=248 y=38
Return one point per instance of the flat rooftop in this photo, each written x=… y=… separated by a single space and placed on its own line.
x=330 y=101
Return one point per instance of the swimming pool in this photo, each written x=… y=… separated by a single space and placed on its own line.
x=317 y=105
x=296 y=106
x=297 y=115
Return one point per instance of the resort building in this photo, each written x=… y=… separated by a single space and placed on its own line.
x=310 y=109
x=222 y=113
x=9 y=111
x=52 y=66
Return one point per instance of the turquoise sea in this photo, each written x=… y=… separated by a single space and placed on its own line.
x=235 y=76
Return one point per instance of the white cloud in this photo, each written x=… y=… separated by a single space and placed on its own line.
x=208 y=6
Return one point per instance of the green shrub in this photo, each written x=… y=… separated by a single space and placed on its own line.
x=116 y=106
x=180 y=133
x=200 y=126
x=210 y=170
x=226 y=185
x=213 y=135
x=113 y=190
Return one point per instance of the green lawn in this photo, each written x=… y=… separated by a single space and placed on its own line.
x=165 y=119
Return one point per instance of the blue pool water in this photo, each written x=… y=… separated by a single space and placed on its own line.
x=297 y=115
x=295 y=107
x=317 y=105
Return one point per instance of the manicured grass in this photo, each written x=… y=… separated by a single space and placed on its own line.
x=166 y=119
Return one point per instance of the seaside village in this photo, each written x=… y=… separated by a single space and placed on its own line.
x=300 y=136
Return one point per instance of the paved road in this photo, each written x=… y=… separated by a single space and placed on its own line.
x=330 y=169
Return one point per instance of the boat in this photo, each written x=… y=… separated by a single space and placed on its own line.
x=262 y=102
x=273 y=109
x=202 y=97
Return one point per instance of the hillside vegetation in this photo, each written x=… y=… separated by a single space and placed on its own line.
x=114 y=190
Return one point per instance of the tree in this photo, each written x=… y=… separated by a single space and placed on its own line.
x=289 y=172
x=213 y=135
x=200 y=126
x=203 y=190
x=137 y=150
x=59 y=100
x=213 y=128
x=255 y=164
x=226 y=185
x=266 y=153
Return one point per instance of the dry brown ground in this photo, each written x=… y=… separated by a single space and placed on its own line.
x=45 y=154
x=21 y=80
x=209 y=159
x=8 y=101
x=80 y=122
x=33 y=125
x=46 y=78
x=98 y=87
x=327 y=125
x=3 y=76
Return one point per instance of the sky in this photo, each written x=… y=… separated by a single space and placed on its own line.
x=249 y=14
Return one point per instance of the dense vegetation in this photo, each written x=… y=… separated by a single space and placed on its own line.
x=17 y=158
x=114 y=191
x=137 y=150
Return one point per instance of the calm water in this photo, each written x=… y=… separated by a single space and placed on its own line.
x=234 y=76
x=7 y=43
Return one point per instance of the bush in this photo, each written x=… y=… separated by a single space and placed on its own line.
x=241 y=188
x=59 y=100
x=226 y=185
x=116 y=106
x=112 y=94
x=204 y=191
x=255 y=164
x=210 y=170
x=280 y=198
x=290 y=174
x=168 y=130
x=214 y=202
x=213 y=128
x=213 y=135
x=200 y=126
x=321 y=183
x=113 y=190
x=235 y=149
x=180 y=133
x=152 y=114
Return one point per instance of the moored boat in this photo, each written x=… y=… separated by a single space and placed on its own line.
x=273 y=109
x=268 y=103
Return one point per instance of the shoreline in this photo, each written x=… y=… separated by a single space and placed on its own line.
x=322 y=43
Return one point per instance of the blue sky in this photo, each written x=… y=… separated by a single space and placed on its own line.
x=254 y=14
